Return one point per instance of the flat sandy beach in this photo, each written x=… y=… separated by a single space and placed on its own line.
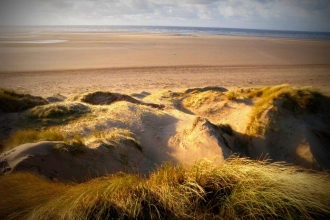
x=134 y=63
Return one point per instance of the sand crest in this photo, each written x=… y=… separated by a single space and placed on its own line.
x=103 y=137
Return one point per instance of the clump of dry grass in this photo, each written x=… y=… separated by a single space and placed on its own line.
x=237 y=189
x=11 y=101
x=115 y=137
x=72 y=143
x=23 y=192
x=74 y=147
x=232 y=95
x=297 y=100
x=32 y=136
x=68 y=110
x=197 y=99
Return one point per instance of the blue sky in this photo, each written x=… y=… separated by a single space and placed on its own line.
x=309 y=15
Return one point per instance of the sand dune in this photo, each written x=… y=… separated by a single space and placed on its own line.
x=118 y=106
x=103 y=133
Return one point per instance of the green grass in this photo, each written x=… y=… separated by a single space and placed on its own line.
x=237 y=189
x=11 y=101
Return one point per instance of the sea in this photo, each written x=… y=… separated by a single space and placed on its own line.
x=184 y=31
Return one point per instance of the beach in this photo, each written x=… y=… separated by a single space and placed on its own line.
x=136 y=126
x=45 y=64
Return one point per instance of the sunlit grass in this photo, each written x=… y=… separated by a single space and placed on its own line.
x=198 y=99
x=297 y=100
x=58 y=113
x=114 y=137
x=33 y=136
x=238 y=189
x=232 y=95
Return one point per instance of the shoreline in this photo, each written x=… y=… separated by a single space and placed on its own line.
x=178 y=67
x=132 y=62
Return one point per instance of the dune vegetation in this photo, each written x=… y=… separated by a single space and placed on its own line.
x=297 y=101
x=237 y=189
x=11 y=101
x=95 y=130
x=31 y=136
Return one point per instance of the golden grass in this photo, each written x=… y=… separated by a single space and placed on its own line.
x=72 y=143
x=58 y=112
x=237 y=189
x=232 y=95
x=33 y=136
x=198 y=99
x=115 y=137
x=297 y=100
x=23 y=192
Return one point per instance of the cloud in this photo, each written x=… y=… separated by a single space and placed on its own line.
x=269 y=14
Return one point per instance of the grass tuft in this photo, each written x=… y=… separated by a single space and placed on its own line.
x=237 y=189
x=11 y=101
x=297 y=100
x=33 y=136
x=73 y=144
x=116 y=137
x=196 y=99
x=231 y=95
x=59 y=110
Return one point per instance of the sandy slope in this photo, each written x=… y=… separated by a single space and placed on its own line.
x=121 y=133
x=164 y=135
x=184 y=124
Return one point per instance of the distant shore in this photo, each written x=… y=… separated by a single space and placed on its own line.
x=131 y=62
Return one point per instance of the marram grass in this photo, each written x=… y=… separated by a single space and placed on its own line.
x=32 y=136
x=237 y=189
x=11 y=101
x=297 y=100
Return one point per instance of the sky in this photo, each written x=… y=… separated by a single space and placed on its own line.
x=301 y=15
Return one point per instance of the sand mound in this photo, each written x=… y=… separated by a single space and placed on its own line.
x=11 y=101
x=55 y=160
x=130 y=138
x=107 y=98
x=208 y=88
x=63 y=109
x=292 y=126
x=120 y=133
x=56 y=98
x=201 y=139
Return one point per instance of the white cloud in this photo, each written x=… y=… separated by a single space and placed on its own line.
x=270 y=14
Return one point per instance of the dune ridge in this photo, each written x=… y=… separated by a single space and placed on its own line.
x=172 y=154
x=179 y=126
